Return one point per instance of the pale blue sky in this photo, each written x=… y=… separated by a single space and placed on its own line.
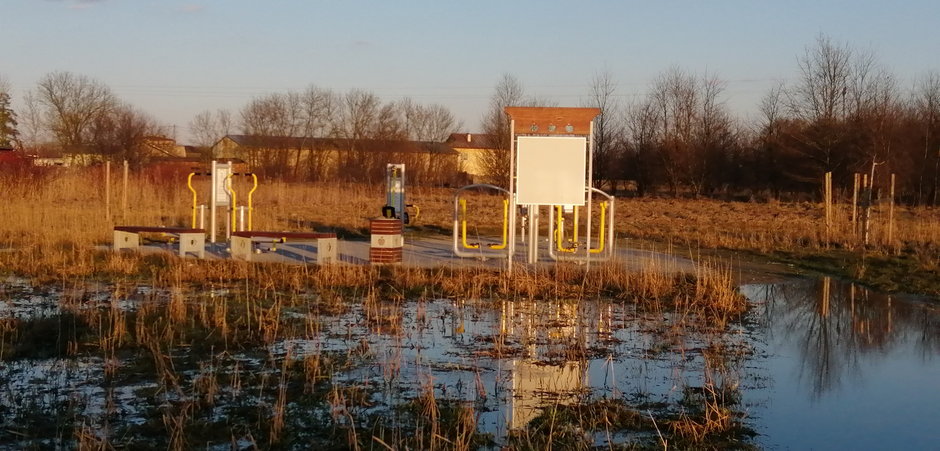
x=176 y=58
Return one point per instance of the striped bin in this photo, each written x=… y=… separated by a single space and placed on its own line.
x=387 y=241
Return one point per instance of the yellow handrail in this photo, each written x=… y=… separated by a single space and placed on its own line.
x=189 y=183
x=254 y=178
x=505 y=228
x=600 y=241
x=231 y=191
x=463 y=226
x=560 y=232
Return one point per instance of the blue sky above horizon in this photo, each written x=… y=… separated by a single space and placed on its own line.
x=174 y=59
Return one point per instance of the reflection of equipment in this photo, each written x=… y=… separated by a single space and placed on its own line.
x=222 y=194
x=395 y=206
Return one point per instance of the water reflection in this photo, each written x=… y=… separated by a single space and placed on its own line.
x=848 y=367
x=818 y=363
x=836 y=325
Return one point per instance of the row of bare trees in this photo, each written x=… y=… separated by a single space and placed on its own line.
x=845 y=113
x=81 y=116
x=315 y=113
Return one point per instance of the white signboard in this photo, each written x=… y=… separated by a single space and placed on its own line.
x=222 y=196
x=551 y=170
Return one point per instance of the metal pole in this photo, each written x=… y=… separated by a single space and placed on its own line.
x=588 y=192
x=512 y=194
x=212 y=202
x=124 y=193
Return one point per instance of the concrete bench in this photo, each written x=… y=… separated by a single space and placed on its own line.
x=190 y=240
x=242 y=243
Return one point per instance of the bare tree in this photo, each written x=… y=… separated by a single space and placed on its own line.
x=495 y=162
x=70 y=105
x=208 y=128
x=273 y=115
x=119 y=134
x=608 y=130
x=427 y=122
x=926 y=109
x=643 y=123
x=825 y=72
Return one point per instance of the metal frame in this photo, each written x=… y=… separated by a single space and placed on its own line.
x=605 y=250
x=505 y=248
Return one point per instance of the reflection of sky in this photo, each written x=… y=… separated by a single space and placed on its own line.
x=877 y=389
x=853 y=371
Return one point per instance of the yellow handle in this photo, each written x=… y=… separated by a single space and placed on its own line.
x=254 y=178
x=560 y=232
x=505 y=227
x=600 y=241
x=189 y=183
x=463 y=226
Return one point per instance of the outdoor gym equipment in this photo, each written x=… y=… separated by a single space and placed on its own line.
x=462 y=248
x=575 y=247
x=222 y=194
x=395 y=206
x=551 y=158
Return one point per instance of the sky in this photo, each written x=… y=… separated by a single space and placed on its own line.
x=176 y=58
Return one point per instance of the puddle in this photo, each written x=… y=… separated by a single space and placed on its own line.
x=815 y=363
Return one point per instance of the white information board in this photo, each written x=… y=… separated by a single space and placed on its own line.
x=222 y=196
x=551 y=170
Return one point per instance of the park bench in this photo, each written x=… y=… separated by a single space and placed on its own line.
x=243 y=242
x=190 y=240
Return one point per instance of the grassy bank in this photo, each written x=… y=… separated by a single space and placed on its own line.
x=51 y=216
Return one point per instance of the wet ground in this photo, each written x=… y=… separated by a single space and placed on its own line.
x=814 y=364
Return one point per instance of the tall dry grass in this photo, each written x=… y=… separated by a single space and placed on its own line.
x=53 y=219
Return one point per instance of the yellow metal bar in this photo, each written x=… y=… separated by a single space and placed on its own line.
x=463 y=225
x=600 y=242
x=560 y=231
x=189 y=183
x=254 y=178
x=505 y=227
x=228 y=186
x=574 y=234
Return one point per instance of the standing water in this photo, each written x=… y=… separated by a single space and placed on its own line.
x=813 y=364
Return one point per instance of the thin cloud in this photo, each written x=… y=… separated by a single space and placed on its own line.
x=192 y=8
x=78 y=4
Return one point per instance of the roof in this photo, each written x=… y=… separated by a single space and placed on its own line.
x=470 y=141
x=368 y=145
x=552 y=120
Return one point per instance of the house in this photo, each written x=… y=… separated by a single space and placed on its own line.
x=161 y=147
x=306 y=158
x=473 y=149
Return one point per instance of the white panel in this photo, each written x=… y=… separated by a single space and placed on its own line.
x=222 y=171
x=551 y=170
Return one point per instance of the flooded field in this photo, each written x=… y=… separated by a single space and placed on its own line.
x=813 y=363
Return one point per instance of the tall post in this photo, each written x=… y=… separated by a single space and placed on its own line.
x=866 y=207
x=855 y=182
x=107 y=189
x=124 y=192
x=589 y=194
x=827 y=200
x=512 y=195
x=891 y=214
x=213 y=193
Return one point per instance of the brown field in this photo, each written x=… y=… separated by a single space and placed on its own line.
x=54 y=217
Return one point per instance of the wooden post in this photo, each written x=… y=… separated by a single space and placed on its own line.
x=891 y=214
x=827 y=198
x=866 y=208
x=124 y=194
x=107 y=189
x=855 y=182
